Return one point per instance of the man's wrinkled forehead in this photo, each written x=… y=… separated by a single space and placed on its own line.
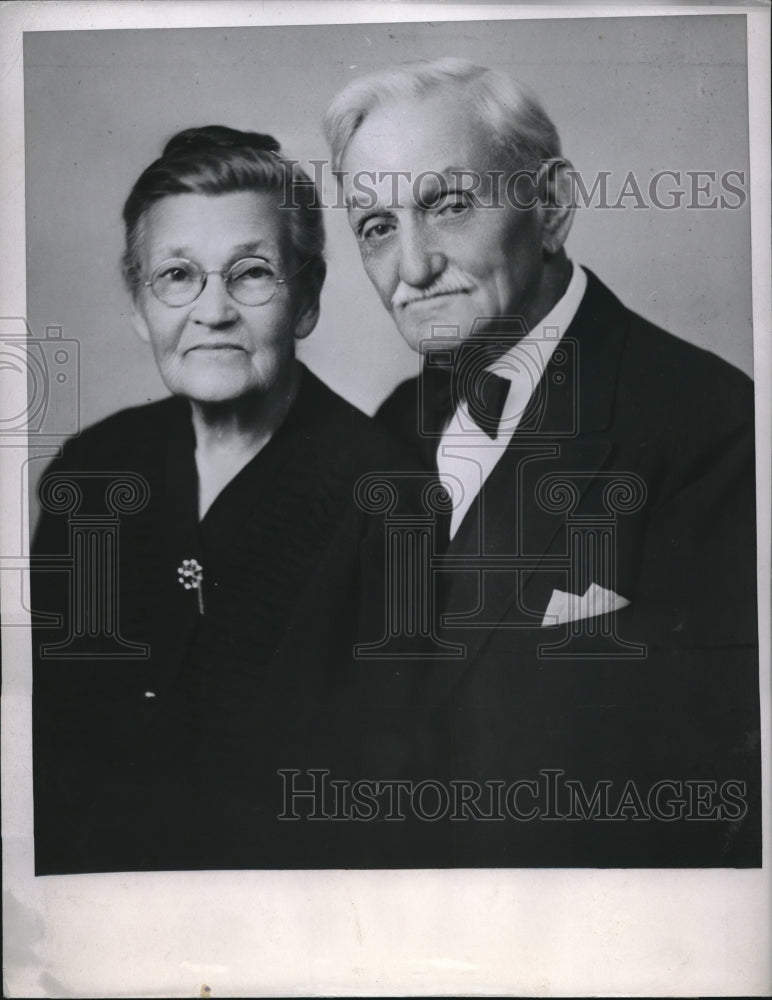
x=404 y=148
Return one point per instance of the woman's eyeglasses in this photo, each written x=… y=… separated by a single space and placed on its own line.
x=250 y=281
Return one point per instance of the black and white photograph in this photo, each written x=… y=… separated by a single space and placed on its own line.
x=386 y=501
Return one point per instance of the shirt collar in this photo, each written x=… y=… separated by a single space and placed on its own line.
x=542 y=339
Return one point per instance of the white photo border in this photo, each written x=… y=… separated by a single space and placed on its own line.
x=518 y=932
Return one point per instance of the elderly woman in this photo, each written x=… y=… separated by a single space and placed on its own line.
x=219 y=651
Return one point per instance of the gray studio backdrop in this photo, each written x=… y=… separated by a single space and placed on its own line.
x=627 y=94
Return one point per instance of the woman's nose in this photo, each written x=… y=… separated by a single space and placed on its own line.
x=419 y=262
x=214 y=305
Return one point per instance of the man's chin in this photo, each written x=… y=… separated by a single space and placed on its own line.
x=433 y=336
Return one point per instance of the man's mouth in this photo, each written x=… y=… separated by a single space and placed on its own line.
x=214 y=347
x=432 y=296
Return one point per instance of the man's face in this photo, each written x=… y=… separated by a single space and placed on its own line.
x=436 y=258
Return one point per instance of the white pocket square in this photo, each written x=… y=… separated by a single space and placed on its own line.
x=564 y=607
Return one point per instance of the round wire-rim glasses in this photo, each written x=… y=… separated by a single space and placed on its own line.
x=249 y=281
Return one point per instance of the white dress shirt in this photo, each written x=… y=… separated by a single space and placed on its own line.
x=466 y=455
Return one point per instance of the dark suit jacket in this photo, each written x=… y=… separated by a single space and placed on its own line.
x=633 y=469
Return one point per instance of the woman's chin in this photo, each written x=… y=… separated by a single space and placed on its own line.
x=222 y=383
x=219 y=390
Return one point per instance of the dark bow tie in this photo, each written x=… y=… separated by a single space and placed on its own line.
x=443 y=388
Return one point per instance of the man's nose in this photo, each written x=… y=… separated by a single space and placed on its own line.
x=420 y=261
x=214 y=305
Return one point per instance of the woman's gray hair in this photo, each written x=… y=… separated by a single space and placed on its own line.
x=519 y=126
x=215 y=159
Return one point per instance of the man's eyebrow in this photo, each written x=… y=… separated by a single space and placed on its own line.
x=424 y=181
x=367 y=207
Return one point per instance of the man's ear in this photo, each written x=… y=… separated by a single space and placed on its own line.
x=308 y=316
x=139 y=322
x=556 y=200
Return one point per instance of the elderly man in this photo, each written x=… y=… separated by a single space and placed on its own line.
x=596 y=586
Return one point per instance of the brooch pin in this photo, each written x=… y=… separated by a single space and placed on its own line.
x=191 y=576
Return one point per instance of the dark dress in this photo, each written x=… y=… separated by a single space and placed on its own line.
x=169 y=757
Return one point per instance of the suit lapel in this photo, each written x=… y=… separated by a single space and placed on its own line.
x=560 y=439
x=508 y=527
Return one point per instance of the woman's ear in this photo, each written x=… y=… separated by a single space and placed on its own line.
x=308 y=315
x=556 y=200
x=139 y=322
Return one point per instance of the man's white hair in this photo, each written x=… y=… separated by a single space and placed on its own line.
x=518 y=124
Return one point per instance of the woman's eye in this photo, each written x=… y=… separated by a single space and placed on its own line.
x=175 y=274
x=256 y=270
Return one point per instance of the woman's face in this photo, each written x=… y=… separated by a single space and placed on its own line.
x=215 y=349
